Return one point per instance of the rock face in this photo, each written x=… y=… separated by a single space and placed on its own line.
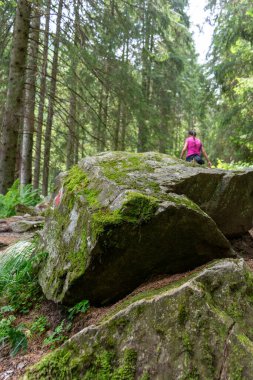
x=201 y=328
x=117 y=220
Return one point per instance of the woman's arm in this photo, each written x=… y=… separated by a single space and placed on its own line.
x=183 y=150
x=206 y=157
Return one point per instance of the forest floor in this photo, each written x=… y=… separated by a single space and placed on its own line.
x=11 y=368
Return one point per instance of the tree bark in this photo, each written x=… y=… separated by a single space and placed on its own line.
x=29 y=106
x=145 y=85
x=42 y=96
x=13 y=106
x=72 y=141
x=71 y=136
x=52 y=93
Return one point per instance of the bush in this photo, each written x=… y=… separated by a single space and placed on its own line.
x=27 y=196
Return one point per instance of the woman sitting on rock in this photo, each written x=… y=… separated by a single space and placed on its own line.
x=194 y=149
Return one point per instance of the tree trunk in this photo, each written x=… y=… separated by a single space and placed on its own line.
x=117 y=127
x=42 y=95
x=72 y=140
x=52 y=92
x=123 y=128
x=71 y=137
x=145 y=85
x=11 y=117
x=29 y=106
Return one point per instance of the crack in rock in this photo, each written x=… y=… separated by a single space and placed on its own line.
x=222 y=373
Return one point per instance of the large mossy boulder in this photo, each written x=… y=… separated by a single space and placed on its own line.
x=117 y=221
x=200 y=328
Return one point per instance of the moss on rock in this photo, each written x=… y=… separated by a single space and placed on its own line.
x=118 y=215
x=182 y=332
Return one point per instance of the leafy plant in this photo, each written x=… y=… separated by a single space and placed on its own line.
x=6 y=309
x=39 y=326
x=80 y=307
x=25 y=196
x=9 y=334
x=57 y=337
x=18 y=275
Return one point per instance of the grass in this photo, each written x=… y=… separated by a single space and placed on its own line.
x=19 y=267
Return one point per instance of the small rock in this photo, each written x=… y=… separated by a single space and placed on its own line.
x=25 y=225
x=21 y=365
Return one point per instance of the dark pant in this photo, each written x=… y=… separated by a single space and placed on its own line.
x=195 y=157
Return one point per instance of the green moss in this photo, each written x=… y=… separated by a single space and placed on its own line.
x=182 y=314
x=126 y=371
x=191 y=375
x=53 y=366
x=118 y=170
x=76 y=183
x=145 y=376
x=187 y=343
x=75 y=180
x=234 y=310
x=105 y=366
x=73 y=250
x=136 y=209
x=182 y=200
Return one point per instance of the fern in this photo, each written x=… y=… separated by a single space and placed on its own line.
x=25 y=196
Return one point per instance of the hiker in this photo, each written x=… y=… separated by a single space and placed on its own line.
x=194 y=149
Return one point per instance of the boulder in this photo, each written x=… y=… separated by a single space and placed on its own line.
x=199 y=328
x=117 y=220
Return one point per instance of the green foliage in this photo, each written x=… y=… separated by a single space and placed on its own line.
x=39 y=326
x=18 y=276
x=25 y=196
x=233 y=165
x=56 y=337
x=6 y=309
x=231 y=133
x=80 y=307
x=13 y=335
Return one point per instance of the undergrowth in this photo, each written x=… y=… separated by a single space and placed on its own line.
x=11 y=335
x=25 y=196
x=19 y=268
x=20 y=293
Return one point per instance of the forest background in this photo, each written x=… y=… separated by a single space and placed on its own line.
x=81 y=77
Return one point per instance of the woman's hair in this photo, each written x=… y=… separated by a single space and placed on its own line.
x=192 y=133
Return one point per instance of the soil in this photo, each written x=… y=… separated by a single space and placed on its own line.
x=11 y=368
